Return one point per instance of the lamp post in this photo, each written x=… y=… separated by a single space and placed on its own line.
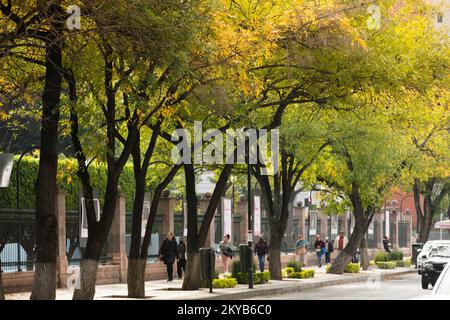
x=250 y=218
x=18 y=202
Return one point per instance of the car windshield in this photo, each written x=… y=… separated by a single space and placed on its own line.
x=440 y=251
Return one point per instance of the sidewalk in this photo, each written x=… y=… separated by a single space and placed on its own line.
x=162 y=290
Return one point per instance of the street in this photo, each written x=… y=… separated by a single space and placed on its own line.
x=398 y=288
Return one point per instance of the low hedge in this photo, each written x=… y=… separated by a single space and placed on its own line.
x=236 y=269
x=380 y=256
x=224 y=283
x=403 y=263
x=395 y=255
x=295 y=265
x=352 y=268
x=386 y=264
x=304 y=274
x=258 y=277
x=287 y=271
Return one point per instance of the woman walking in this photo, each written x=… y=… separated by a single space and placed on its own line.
x=226 y=251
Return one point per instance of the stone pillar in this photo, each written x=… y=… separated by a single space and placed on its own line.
x=166 y=208
x=394 y=219
x=118 y=249
x=379 y=232
x=408 y=219
x=62 y=263
x=299 y=213
x=203 y=206
x=344 y=223
x=243 y=227
x=323 y=225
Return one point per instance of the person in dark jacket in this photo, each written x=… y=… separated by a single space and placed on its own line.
x=181 y=264
x=261 y=249
x=329 y=250
x=386 y=244
x=169 y=253
x=319 y=246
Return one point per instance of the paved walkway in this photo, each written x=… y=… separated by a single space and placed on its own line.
x=163 y=290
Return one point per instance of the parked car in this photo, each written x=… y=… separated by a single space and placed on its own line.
x=432 y=269
x=425 y=251
x=442 y=286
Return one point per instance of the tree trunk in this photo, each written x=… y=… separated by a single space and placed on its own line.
x=275 y=256
x=88 y=274
x=346 y=255
x=191 y=279
x=364 y=254
x=136 y=278
x=192 y=276
x=44 y=285
x=2 y=294
x=427 y=220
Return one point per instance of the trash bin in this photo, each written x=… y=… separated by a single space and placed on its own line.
x=244 y=255
x=414 y=253
x=207 y=263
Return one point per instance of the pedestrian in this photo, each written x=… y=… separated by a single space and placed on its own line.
x=386 y=244
x=340 y=242
x=169 y=253
x=181 y=263
x=261 y=249
x=328 y=250
x=226 y=251
x=319 y=246
x=301 y=250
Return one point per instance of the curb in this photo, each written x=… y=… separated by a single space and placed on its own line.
x=298 y=287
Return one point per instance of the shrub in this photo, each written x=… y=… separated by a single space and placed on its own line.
x=295 y=265
x=304 y=274
x=289 y=270
x=403 y=263
x=380 y=256
x=236 y=269
x=224 y=283
x=258 y=277
x=372 y=263
x=352 y=268
x=386 y=264
x=395 y=255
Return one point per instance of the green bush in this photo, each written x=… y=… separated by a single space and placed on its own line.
x=403 y=263
x=295 y=265
x=258 y=277
x=380 y=256
x=224 y=283
x=386 y=264
x=289 y=270
x=352 y=268
x=395 y=255
x=304 y=274
x=236 y=269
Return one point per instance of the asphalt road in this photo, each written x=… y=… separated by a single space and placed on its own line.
x=402 y=287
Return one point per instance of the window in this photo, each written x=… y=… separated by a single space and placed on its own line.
x=440 y=17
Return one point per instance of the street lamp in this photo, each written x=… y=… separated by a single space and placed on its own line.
x=18 y=201
x=250 y=217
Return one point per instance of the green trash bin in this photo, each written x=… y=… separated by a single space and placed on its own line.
x=207 y=263
x=244 y=262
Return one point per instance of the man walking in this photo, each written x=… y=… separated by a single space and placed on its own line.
x=319 y=245
x=301 y=250
x=261 y=249
x=329 y=250
x=169 y=253
x=181 y=263
x=386 y=244
x=340 y=242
